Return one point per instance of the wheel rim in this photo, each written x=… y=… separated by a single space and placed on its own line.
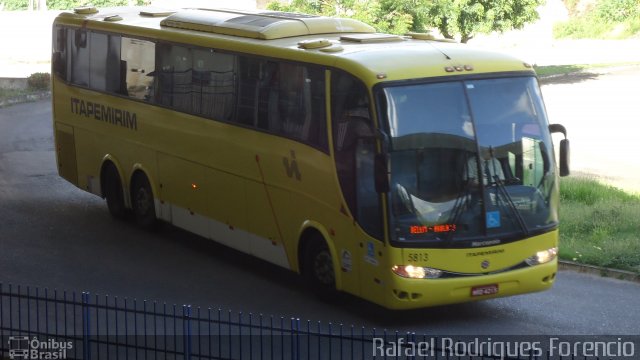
x=323 y=268
x=142 y=201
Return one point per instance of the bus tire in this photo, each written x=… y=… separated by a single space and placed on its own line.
x=143 y=204
x=112 y=190
x=318 y=268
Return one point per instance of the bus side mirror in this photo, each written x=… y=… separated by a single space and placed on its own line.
x=381 y=173
x=564 y=148
x=564 y=157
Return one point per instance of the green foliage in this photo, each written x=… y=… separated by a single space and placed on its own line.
x=585 y=27
x=617 y=10
x=415 y=13
x=6 y=94
x=599 y=224
x=39 y=81
x=571 y=5
x=607 y=19
x=69 y=4
x=632 y=27
x=452 y=18
x=369 y=11
x=14 y=4
x=469 y=17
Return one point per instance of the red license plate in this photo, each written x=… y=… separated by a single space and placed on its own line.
x=484 y=290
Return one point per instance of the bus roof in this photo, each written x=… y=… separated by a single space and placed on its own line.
x=345 y=43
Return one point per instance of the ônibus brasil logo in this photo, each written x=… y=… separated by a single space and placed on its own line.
x=23 y=347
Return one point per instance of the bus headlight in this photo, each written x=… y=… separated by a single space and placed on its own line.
x=416 y=272
x=542 y=257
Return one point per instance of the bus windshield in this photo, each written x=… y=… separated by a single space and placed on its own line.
x=469 y=161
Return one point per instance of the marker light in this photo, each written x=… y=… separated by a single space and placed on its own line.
x=542 y=257
x=416 y=272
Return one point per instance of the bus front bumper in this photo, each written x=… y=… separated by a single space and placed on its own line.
x=404 y=293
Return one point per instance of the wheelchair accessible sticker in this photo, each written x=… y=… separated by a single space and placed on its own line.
x=493 y=219
x=371 y=254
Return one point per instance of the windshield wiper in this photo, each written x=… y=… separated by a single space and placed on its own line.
x=458 y=210
x=503 y=190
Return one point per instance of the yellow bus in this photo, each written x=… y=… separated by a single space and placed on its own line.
x=405 y=170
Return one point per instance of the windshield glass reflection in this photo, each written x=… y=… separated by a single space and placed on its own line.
x=468 y=160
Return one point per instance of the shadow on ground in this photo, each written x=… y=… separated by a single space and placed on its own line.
x=569 y=78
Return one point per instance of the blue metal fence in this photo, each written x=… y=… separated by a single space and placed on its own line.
x=40 y=324
x=106 y=327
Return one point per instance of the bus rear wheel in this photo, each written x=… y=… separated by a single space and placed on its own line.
x=113 y=192
x=318 y=268
x=144 y=209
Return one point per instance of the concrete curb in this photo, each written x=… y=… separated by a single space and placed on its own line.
x=25 y=98
x=601 y=271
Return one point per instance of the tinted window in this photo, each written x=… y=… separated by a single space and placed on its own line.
x=251 y=79
x=59 y=56
x=79 y=42
x=289 y=99
x=115 y=73
x=214 y=84
x=354 y=149
x=138 y=63
x=174 y=76
x=283 y=98
x=105 y=62
x=89 y=59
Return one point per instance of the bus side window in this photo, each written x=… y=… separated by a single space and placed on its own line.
x=355 y=150
x=175 y=77
x=214 y=84
x=249 y=70
x=291 y=102
x=115 y=72
x=139 y=58
x=98 y=61
x=79 y=52
x=59 y=55
x=105 y=63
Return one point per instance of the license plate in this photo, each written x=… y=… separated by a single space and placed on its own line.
x=484 y=290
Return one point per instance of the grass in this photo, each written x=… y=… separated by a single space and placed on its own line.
x=600 y=224
x=558 y=69
x=11 y=93
x=583 y=28
x=600 y=19
x=8 y=94
x=588 y=28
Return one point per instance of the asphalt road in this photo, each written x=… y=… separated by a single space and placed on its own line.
x=600 y=111
x=54 y=235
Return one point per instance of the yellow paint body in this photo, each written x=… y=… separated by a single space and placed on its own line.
x=222 y=175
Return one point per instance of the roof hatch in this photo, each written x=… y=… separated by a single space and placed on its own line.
x=371 y=38
x=85 y=10
x=156 y=12
x=264 y=25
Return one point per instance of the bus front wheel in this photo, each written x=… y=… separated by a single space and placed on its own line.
x=144 y=209
x=112 y=190
x=318 y=268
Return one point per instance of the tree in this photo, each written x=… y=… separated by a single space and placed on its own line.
x=66 y=4
x=452 y=18
x=368 y=11
x=466 y=18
